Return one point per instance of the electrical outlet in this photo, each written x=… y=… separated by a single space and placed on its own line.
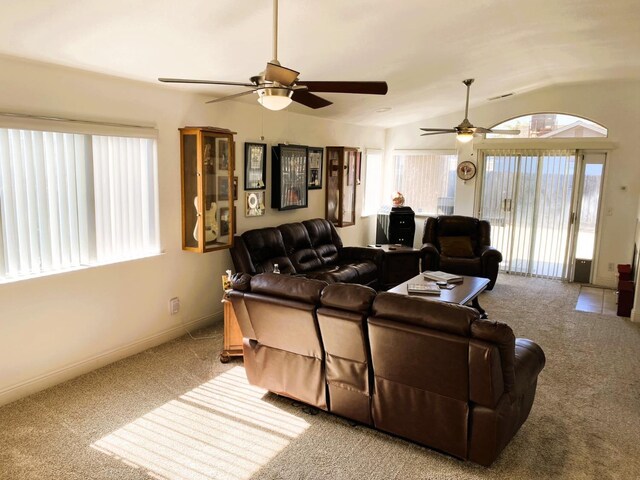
x=610 y=266
x=174 y=305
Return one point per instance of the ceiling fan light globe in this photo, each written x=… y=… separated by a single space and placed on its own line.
x=275 y=98
x=465 y=137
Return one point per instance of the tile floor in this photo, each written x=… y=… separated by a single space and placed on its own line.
x=597 y=300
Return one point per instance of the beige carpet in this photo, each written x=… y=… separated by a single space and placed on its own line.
x=175 y=412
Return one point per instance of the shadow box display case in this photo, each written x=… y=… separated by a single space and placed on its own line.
x=289 y=167
x=207 y=164
x=342 y=179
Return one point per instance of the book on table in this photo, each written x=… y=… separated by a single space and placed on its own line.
x=426 y=288
x=439 y=276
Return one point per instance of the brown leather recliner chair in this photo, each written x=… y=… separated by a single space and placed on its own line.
x=460 y=245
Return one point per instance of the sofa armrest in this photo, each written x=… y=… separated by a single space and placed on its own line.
x=240 y=256
x=489 y=254
x=430 y=257
x=529 y=362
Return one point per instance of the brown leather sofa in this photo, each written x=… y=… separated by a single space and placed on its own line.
x=311 y=248
x=428 y=371
x=460 y=245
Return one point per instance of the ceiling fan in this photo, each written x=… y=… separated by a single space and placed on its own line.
x=278 y=86
x=466 y=130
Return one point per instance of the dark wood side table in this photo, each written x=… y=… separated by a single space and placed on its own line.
x=399 y=264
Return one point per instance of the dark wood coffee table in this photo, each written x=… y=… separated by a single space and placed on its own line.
x=461 y=294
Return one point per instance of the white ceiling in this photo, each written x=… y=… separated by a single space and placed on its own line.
x=423 y=49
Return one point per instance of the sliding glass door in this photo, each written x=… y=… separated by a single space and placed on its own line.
x=527 y=195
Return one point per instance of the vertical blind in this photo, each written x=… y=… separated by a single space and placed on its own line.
x=39 y=200
x=68 y=200
x=427 y=180
x=527 y=196
x=125 y=195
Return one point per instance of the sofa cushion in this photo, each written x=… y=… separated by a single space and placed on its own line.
x=324 y=239
x=367 y=270
x=456 y=247
x=461 y=266
x=335 y=274
x=266 y=248
x=298 y=247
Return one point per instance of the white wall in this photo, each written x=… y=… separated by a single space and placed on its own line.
x=616 y=105
x=56 y=327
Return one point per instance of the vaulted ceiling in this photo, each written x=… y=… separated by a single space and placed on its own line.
x=423 y=49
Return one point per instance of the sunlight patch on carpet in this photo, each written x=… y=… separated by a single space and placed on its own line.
x=221 y=430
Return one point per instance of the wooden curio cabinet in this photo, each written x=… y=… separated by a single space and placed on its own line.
x=342 y=178
x=207 y=163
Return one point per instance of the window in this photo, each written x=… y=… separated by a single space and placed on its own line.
x=550 y=125
x=69 y=200
x=427 y=179
x=372 y=182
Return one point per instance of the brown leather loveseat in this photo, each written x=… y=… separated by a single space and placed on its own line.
x=428 y=371
x=311 y=248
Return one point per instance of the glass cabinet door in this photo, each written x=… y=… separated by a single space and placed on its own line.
x=190 y=190
x=342 y=174
x=349 y=189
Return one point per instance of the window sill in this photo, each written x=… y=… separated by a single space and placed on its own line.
x=33 y=276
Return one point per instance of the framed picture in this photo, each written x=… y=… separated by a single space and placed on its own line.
x=255 y=166
x=224 y=221
x=315 y=167
x=223 y=153
x=235 y=188
x=223 y=188
x=254 y=204
x=289 y=177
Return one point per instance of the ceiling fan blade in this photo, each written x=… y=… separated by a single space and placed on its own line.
x=277 y=73
x=204 y=82
x=443 y=130
x=438 y=133
x=480 y=130
x=504 y=132
x=229 y=97
x=369 y=88
x=309 y=99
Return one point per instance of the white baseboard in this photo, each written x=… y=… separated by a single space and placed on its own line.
x=49 y=379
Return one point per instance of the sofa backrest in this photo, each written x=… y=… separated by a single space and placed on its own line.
x=342 y=319
x=479 y=231
x=265 y=247
x=288 y=356
x=324 y=239
x=435 y=357
x=298 y=247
